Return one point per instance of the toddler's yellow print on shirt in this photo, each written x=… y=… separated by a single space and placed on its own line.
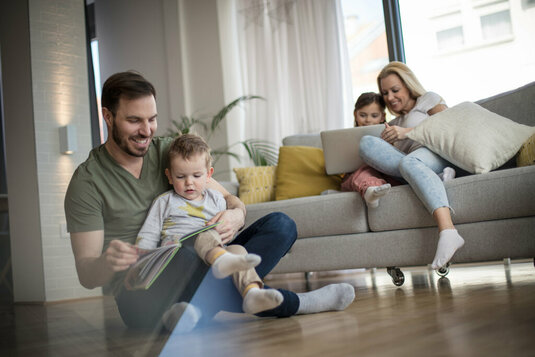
x=193 y=211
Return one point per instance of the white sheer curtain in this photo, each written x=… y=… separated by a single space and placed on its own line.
x=293 y=53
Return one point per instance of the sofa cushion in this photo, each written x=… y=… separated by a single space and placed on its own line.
x=313 y=140
x=472 y=137
x=338 y=213
x=474 y=198
x=257 y=183
x=526 y=155
x=516 y=104
x=301 y=172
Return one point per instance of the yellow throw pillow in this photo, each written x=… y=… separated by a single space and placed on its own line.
x=257 y=184
x=526 y=155
x=301 y=172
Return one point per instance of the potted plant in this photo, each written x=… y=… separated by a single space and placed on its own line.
x=261 y=152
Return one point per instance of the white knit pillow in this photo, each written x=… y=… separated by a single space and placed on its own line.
x=472 y=137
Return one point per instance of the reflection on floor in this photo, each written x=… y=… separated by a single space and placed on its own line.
x=476 y=310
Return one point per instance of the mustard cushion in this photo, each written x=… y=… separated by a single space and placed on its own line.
x=257 y=184
x=526 y=155
x=301 y=172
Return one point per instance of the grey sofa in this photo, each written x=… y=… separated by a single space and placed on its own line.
x=494 y=212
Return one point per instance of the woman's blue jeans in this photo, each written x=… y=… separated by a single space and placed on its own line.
x=419 y=169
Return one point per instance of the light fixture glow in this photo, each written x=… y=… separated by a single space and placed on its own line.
x=67 y=139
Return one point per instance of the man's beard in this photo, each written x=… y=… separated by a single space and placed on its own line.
x=123 y=143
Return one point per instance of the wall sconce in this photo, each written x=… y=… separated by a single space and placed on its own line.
x=67 y=139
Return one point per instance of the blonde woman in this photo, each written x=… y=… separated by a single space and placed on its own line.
x=396 y=155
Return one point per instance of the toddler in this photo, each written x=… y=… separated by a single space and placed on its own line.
x=187 y=207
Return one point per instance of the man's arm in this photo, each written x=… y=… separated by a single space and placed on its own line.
x=94 y=267
x=233 y=219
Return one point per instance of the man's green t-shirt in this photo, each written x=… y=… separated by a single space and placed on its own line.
x=102 y=195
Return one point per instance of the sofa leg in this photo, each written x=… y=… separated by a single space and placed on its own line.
x=398 y=278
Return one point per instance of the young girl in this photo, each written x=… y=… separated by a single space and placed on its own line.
x=370 y=183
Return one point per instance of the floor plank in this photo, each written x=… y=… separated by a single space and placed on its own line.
x=477 y=310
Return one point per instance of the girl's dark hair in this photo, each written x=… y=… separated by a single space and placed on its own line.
x=369 y=98
x=130 y=85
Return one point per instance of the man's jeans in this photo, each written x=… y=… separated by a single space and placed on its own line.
x=187 y=278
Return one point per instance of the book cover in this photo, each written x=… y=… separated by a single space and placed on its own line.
x=152 y=262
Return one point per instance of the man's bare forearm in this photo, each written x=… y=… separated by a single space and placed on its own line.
x=93 y=272
x=234 y=202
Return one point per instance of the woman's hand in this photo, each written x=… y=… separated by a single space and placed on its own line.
x=394 y=133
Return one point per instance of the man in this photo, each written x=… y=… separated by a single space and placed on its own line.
x=109 y=196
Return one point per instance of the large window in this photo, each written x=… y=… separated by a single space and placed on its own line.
x=469 y=49
x=366 y=42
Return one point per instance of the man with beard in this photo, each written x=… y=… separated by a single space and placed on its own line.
x=106 y=203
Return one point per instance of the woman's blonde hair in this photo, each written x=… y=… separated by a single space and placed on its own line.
x=405 y=74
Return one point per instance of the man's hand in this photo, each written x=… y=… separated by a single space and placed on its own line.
x=231 y=222
x=394 y=133
x=119 y=255
x=233 y=219
x=96 y=268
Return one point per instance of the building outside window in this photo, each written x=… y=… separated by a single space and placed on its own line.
x=467 y=50
x=366 y=42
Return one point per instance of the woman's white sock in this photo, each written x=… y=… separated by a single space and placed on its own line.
x=257 y=300
x=329 y=298
x=229 y=263
x=448 y=243
x=374 y=193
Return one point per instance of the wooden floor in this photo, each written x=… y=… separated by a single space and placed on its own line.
x=484 y=310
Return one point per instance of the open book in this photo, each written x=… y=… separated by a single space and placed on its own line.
x=152 y=262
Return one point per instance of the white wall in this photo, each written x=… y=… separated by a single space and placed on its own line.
x=45 y=86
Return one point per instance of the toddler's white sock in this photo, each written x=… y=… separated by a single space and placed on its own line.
x=257 y=300
x=229 y=263
x=448 y=243
x=374 y=193
x=328 y=298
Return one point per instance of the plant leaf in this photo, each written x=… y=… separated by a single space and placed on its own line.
x=261 y=152
x=218 y=118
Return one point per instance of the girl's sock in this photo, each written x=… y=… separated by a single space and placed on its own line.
x=374 y=193
x=229 y=263
x=329 y=298
x=448 y=243
x=257 y=300
x=447 y=174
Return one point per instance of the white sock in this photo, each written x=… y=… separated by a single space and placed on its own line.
x=257 y=300
x=373 y=193
x=448 y=242
x=328 y=298
x=182 y=315
x=447 y=174
x=229 y=263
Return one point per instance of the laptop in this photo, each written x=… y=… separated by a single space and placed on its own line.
x=341 y=147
